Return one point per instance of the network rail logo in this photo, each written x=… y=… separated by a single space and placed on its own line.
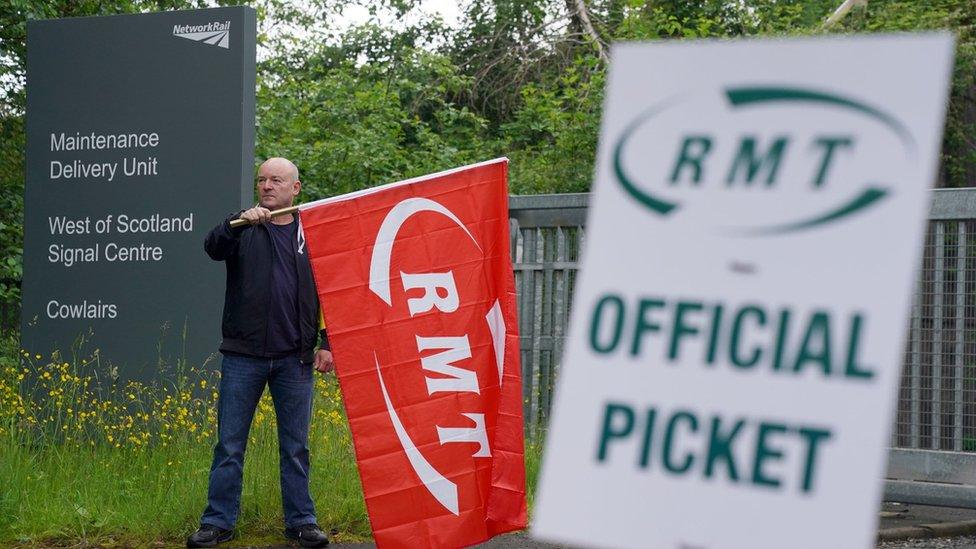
x=215 y=33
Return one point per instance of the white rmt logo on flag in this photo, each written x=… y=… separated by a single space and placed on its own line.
x=215 y=33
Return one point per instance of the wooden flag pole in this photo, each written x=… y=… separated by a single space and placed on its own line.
x=284 y=211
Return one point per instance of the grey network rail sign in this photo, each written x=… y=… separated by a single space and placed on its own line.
x=140 y=137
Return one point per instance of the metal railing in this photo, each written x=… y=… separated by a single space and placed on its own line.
x=933 y=455
x=936 y=404
x=934 y=437
x=547 y=234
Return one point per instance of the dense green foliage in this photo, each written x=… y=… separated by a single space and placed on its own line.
x=400 y=96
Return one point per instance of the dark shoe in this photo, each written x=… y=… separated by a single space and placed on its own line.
x=208 y=535
x=307 y=535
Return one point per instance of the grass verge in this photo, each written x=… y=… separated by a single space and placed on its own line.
x=88 y=460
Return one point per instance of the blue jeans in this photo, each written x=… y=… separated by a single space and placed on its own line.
x=242 y=381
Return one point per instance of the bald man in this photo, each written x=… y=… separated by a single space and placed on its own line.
x=270 y=331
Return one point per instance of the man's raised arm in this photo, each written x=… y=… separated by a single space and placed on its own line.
x=221 y=241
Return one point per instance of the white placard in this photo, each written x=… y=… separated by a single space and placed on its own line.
x=739 y=325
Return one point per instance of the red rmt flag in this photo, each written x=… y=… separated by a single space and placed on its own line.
x=416 y=287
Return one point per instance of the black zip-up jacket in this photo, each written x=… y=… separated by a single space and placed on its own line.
x=247 y=253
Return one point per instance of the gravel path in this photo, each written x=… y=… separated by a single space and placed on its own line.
x=963 y=542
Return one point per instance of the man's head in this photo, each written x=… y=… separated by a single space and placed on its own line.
x=278 y=183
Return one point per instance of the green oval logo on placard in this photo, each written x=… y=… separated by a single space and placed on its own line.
x=751 y=167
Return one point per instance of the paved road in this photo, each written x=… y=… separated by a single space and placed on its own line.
x=519 y=541
x=893 y=516
x=964 y=542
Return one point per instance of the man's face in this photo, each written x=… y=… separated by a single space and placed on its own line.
x=277 y=186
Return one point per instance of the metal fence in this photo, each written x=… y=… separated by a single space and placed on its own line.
x=547 y=234
x=936 y=405
x=933 y=455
